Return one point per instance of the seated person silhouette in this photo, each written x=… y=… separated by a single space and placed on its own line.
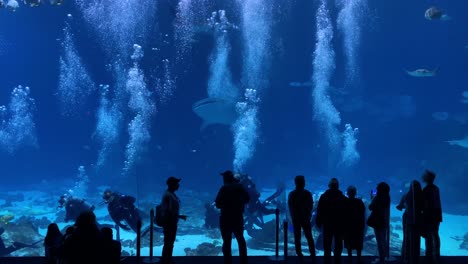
x=122 y=208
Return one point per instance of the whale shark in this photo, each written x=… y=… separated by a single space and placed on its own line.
x=215 y=111
x=459 y=142
x=422 y=73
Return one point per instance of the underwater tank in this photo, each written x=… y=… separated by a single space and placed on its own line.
x=105 y=96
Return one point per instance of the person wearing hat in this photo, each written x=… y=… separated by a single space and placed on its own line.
x=231 y=200
x=170 y=206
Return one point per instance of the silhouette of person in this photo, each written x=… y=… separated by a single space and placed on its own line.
x=356 y=222
x=301 y=203
x=52 y=243
x=330 y=215
x=231 y=200
x=414 y=204
x=404 y=248
x=110 y=248
x=380 y=217
x=74 y=206
x=432 y=217
x=170 y=204
x=83 y=245
x=122 y=208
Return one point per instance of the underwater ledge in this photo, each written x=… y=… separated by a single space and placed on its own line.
x=219 y=260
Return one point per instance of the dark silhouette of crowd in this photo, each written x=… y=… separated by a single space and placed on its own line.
x=83 y=242
x=340 y=219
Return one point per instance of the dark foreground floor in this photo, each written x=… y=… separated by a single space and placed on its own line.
x=219 y=260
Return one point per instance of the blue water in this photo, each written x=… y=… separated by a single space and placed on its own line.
x=283 y=130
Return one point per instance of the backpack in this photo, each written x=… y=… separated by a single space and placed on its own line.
x=159 y=218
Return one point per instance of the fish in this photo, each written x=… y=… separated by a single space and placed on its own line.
x=422 y=73
x=434 y=13
x=301 y=84
x=215 y=111
x=459 y=142
x=5 y=219
x=441 y=116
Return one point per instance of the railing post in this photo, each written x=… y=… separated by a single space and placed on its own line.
x=138 y=242
x=151 y=231
x=276 y=257
x=285 y=231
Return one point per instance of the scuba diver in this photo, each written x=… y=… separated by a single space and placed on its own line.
x=257 y=209
x=122 y=208
x=211 y=216
x=73 y=206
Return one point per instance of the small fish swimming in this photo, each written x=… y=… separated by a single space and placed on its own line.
x=301 y=84
x=422 y=73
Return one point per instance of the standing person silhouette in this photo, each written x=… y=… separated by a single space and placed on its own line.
x=379 y=218
x=330 y=216
x=432 y=217
x=356 y=219
x=170 y=206
x=231 y=200
x=301 y=203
